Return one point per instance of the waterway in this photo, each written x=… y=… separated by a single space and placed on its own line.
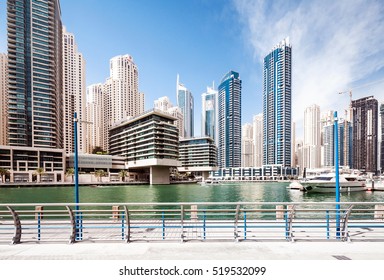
x=244 y=192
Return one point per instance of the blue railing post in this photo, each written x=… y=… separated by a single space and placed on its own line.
x=204 y=227
x=122 y=224
x=245 y=225
x=38 y=226
x=163 y=220
x=286 y=225
x=327 y=217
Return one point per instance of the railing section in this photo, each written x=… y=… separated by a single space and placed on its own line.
x=130 y=222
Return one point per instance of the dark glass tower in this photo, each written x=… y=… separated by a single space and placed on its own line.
x=365 y=134
x=35 y=73
x=277 y=108
x=229 y=121
x=382 y=138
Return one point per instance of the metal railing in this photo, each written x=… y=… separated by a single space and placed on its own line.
x=130 y=222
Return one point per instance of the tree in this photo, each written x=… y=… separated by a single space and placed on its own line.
x=3 y=173
x=39 y=171
x=70 y=172
x=99 y=151
x=123 y=173
x=100 y=173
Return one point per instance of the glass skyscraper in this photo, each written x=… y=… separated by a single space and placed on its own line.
x=35 y=73
x=277 y=105
x=185 y=103
x=209 y=114
x=229 y=121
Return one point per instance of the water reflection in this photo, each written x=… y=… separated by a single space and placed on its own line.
x=247 y=192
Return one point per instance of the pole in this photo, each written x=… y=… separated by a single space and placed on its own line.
x=336 y=158
x=76 y=163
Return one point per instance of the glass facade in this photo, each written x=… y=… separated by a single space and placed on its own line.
x=185 y=103
x=229 y=121
x=277 y=105
x=35 y=73
x=209 y=114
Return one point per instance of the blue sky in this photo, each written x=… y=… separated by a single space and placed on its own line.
x=337 y=46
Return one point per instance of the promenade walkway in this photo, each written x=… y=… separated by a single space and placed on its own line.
x=196 y=250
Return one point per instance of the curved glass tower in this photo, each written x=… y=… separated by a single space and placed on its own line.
x=277 y=105
x=229 y=121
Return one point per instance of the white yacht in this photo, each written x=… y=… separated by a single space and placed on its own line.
x=326 y=183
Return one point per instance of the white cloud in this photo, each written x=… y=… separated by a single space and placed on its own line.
x=336 y=46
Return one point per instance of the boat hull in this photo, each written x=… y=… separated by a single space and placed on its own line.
x=322 y=187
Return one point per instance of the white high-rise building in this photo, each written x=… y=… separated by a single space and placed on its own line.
x=164 y=104
x=258 y=140
x=3 y=99
x=247 y=148
x=74 y=93
x=122 y=99
x=95 y=117
x=312 y=138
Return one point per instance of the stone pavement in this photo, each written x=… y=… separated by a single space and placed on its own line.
x=194 y=250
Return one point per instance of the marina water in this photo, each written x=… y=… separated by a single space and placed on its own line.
x=244 y=192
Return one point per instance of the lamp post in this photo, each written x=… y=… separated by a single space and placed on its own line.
x=336 y=160
x=77 y=197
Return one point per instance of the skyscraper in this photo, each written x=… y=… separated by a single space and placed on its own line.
x=247 y=147
x=185 y=103
x=95 y=118
x=365 y=134
x=122 y=99
x=312 y=137
x=229 y=121
x=74 y=92
x=258 y=140
x=35 y=73
x=165 y=105
x=209 y=114
x=345 y=144
x=277 y=118
x=3 y=99
x=382 y=137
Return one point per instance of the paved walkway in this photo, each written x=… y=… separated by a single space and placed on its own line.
x=196 y=250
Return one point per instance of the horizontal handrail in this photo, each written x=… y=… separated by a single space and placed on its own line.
x=238 y=221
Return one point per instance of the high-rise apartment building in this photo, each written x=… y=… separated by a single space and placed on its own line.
x=74 y=93
x=382 y=138
x=185 y=103
x=365 y=134
x=345 y=144
x=229 y=121
x=209 y=114
x=122 y=99
x=277 y=105
x=95 y=118
x=3 y=99
x=247 y=146
x=312 y=138
x=35 y=111
x=165 y=105
x=258 y=140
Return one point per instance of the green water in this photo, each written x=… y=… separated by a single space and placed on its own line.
x=244 y=192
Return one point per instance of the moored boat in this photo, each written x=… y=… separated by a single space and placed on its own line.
x=326 y=183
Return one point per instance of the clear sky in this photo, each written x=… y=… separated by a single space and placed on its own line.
x=337 y=46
